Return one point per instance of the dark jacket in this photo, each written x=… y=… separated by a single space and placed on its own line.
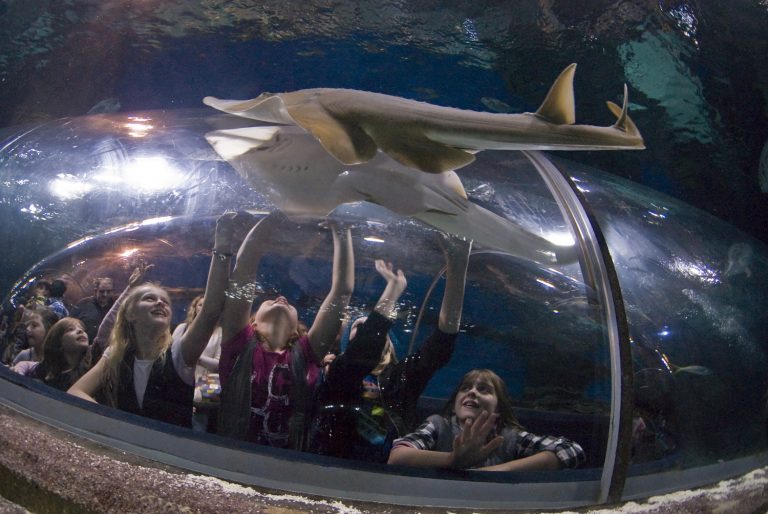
x=91 y=314
x=340 y=409
x=167 y=398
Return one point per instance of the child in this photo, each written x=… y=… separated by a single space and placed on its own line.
x=369 y=397
x=478 y=430
x=65 y=355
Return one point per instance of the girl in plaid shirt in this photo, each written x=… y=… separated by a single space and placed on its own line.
x=478 y=430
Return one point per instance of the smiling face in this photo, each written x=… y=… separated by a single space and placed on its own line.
x=474 y=396
x=152 y=308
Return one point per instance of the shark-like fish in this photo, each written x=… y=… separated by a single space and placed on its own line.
x=297 y=175
x=336 y=146
x=353 y=125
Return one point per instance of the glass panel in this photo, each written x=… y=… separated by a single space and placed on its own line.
x=118 y=191
x=695 y=291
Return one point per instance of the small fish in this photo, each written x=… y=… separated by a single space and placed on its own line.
x=702 y=371
x=495 y=104
x=108 y=105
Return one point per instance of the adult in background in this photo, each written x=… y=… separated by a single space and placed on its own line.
x=55 y=300
x=92 y=309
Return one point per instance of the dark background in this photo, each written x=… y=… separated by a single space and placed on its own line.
x=697 y=70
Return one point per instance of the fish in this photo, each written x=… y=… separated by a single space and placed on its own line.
x=292 y=169
x=106 y=106
x=353 y=126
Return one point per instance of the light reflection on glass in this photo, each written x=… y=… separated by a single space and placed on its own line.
x=138 y=127
x=129 y=252
x=695 y=270
x=546 y=283
x=150 y=174
x=69 y=187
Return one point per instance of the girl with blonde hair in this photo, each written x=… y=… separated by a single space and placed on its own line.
x=144 y=370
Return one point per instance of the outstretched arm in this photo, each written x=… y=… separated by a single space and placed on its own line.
x=89 y=384
x=105 y=328
x=470 y=447
x=539 y=462
x=196 y=336
x=328 y=320
x=395 y=287
x=239 y=297
x=364 y=350
x=456 y=253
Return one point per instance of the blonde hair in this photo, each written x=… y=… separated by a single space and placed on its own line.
x=122 y=340
x=191 y=310
x=388 y=356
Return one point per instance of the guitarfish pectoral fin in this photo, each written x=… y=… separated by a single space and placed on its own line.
x=412 y=148
x=265 y=107
x=559 y=106
x=233 y=143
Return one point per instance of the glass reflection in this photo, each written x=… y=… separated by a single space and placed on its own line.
x=694 y=290
x=544 y=342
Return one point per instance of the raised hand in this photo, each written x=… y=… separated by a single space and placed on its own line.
x=138 y=274
x=397 y=278
x=230 y=230
x=471 y=446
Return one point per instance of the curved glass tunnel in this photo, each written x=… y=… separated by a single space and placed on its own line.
x=93 y=196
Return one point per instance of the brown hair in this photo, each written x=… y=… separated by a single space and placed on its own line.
x=191 y=309
x=54 y=362
x=504 y=409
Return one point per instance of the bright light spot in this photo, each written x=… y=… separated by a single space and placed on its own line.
x=560 y=238
x=695 y=270
x=663 y=333
x=373 y=239
x=69 y=187
x=79 y=242
x=155 y=221
x=545 y=283
x=150 y=174
x=657 y=215
x=32 y=209
x=138 y=127
x=129 y=252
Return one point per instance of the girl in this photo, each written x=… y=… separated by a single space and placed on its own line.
x=65 y=355
x=284 y=357
x=369 y=397
x=144 y=370
x=478 y=430
x=209 y=359
x=37 y=320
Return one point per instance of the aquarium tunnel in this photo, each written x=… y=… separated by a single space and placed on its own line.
x=637 y=331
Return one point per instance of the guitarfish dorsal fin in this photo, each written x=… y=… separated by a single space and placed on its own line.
x=559 y=106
